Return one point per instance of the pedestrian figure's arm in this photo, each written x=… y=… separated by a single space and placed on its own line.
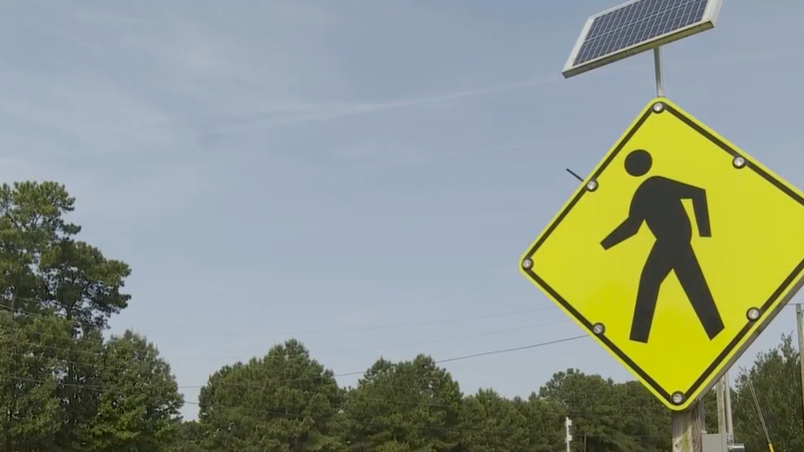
x=699 y=206
x=625 y=230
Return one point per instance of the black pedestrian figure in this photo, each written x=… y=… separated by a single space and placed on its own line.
x=657 y=202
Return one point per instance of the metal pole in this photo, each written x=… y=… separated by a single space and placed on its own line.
x=687 y=434
x=657 y=66
x=702 y=417
x=799 y=321
x=568 y=424
x=722 y=427
x=727 y=396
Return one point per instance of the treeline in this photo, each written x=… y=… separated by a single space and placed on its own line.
x=287 y=401
x=64 y=388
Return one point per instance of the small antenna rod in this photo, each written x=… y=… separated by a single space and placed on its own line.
x=576 y=176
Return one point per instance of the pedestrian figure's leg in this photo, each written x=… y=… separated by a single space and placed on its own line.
x=689 y=274
x=656 y=269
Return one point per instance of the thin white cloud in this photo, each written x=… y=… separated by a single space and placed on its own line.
x=327 y=113
x=331 y=113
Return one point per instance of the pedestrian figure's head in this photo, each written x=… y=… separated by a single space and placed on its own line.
x=638 y=162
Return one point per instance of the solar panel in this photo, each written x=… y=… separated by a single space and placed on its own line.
x=637 y=26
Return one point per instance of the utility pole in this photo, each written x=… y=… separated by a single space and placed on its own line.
x=721 y=407
x=727 y=396
x=702 y=415
x=799 y=320
x=724 y=421
x=567 y=425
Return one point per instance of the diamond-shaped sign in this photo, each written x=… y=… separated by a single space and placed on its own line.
x=674 y=254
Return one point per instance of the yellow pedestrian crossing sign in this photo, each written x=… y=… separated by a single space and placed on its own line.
x=675 y=253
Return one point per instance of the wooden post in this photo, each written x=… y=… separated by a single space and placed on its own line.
x=687 y=430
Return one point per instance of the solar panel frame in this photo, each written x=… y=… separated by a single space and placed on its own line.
x=707 y=22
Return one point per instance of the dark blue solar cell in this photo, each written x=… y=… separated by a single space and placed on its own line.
x=635 y=23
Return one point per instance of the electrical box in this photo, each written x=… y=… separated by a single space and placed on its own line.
x=715 y=442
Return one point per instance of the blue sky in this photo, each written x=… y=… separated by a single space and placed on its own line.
x=362 y=175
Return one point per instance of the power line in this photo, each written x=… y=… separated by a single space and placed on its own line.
x=353 y=350
x=513 y=349
x=336 y=330
x=362 y=372
x=438 y=361
x=99 y=388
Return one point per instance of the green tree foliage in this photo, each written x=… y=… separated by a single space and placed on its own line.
x=643 y=417
x=32 y=415
x=777 y=383
x=285 y=401
x=80 y=388
x=189 y=438
x=61 y=387
x=493 y=424
x=545 y=422
x=406 y=406
x=596 y=408
x=139 y=406
x=44 y=269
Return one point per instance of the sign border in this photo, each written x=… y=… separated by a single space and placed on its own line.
x=786 y=289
